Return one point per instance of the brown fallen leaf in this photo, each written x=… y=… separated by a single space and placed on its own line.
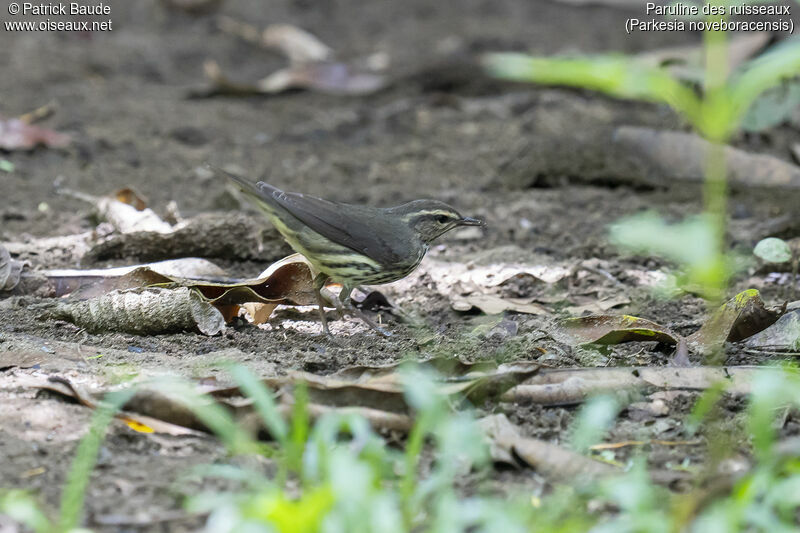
x=147 y=311
x=611 y=329
x=782 y=336
x=481 y=286
x=131 y=197
x=259 y=313
x=377 y=419
x=550 y=460
x=137 y=421
x=492 y=305
x=598 y=305
x=573 y=386
x=95 y=282
x=740 y=317
x=383 y=387
x=16 y=134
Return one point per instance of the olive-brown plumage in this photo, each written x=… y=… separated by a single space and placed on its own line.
x=354 y=244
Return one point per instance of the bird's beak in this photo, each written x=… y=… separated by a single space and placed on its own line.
x=469 y=221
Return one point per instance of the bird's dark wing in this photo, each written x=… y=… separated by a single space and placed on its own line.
x=356 y=227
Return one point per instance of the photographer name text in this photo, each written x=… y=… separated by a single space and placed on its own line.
x=58 y=9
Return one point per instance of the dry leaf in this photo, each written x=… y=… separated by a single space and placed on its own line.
x=611 y=329
x=468 y=286
x=740 y=317
x=131 y=197
x=95 y=282
x=147 y=311
x=125 y=291
x=570 y=386
x=782 y=336
x=550 y=460
x=382 y=387
x=135 y=421
x=16 y=134
x=492 y=305
x=259 y=313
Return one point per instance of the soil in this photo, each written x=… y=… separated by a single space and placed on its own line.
x=440 y=130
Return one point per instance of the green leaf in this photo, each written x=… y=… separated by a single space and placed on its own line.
x=692 y=244
x=617 y=76
x=773 y=107
x=773 y=250
x=594 y=419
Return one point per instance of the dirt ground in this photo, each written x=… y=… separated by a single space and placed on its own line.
x=440 y=130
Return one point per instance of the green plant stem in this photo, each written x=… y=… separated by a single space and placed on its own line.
x=413 y=450
x=74 y=493
x=716 y=125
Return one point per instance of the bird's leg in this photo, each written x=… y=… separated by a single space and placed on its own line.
x=319 y=283
x=344 y=297
x=331 y=298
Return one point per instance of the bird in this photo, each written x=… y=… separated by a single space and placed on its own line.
x=353 y=244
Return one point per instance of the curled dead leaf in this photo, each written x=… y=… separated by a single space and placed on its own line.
x=148 y=311
x=740 y=317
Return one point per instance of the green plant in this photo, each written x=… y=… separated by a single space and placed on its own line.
x=716 y=113
x=23 y=507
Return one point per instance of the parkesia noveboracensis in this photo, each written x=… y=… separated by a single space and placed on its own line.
x=354 y=244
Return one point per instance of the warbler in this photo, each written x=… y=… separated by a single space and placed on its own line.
x=353 y=244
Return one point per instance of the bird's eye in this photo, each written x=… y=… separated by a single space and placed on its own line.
x=442 y=219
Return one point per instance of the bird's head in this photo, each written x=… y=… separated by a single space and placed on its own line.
x=429 y=219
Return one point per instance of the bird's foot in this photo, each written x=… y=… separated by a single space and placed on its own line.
x=367 y=320
x=346 y=307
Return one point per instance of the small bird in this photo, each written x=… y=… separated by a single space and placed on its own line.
x=353 y=244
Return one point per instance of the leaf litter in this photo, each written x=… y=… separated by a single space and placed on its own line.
x=146 y=302
x=739 y=318
x=311 y=66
